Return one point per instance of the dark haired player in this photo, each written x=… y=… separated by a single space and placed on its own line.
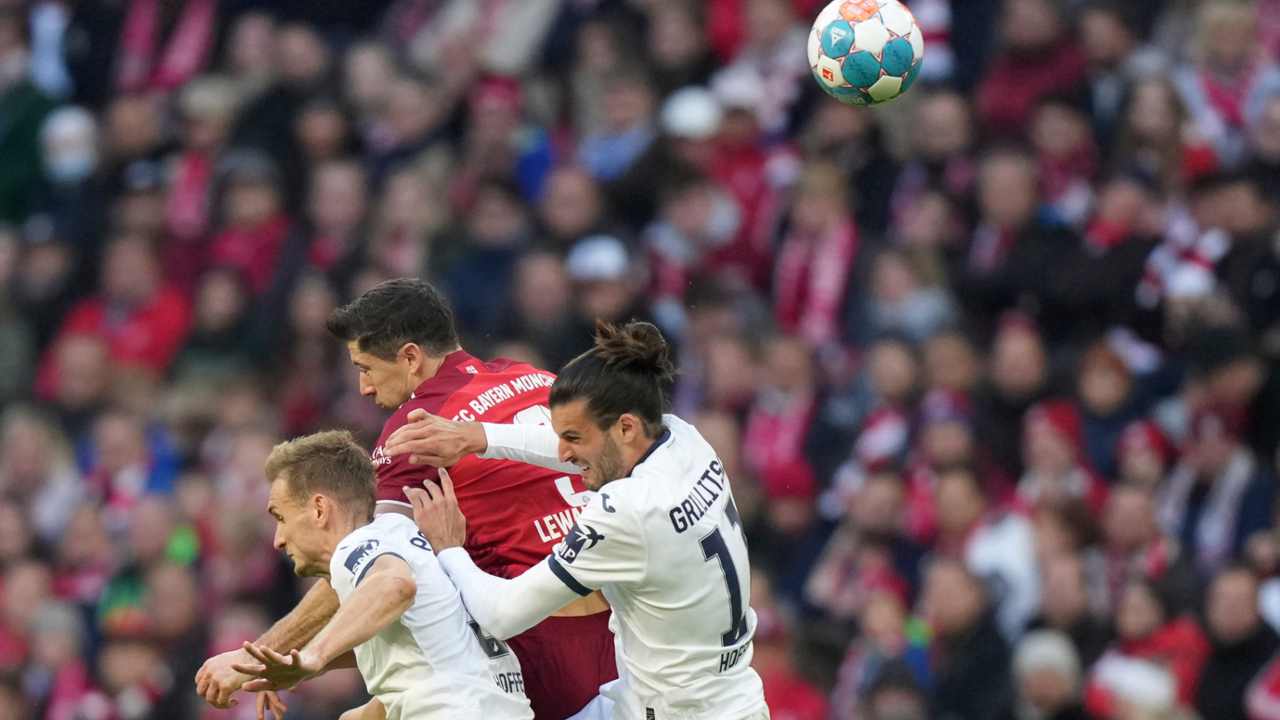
x=401 y=337
x=661 y=537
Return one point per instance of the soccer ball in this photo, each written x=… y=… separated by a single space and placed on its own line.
x=864 y=52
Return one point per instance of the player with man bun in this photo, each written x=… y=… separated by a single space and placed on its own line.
x=661 y=536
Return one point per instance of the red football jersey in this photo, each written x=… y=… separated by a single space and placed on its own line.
x=515 y=512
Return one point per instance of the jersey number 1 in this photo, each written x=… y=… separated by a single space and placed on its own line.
x=713 y=546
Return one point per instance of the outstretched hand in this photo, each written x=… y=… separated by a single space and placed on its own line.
x=431 y=440
x=436 y=512
x=274 y=671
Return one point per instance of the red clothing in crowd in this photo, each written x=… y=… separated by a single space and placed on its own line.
x=1180 y=646
x=148 y=336
x=811 y=279
x=1015 y=82
x=790 y=697
x=254 y=251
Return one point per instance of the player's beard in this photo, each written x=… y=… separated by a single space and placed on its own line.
x=609 y=467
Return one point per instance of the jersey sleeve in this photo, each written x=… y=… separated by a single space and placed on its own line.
x=536 y=444
x=351 y=562
x=394 y=473
x=505 y=607
x=605 y=546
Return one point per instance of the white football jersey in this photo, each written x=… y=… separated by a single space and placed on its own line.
x=666 y=547
x=434 y=662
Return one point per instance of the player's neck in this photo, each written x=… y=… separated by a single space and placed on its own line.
x=430 y=367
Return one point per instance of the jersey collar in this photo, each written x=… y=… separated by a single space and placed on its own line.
x=455 y=362
x=662 y=438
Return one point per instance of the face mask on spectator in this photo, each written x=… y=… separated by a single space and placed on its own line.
x=71 y=167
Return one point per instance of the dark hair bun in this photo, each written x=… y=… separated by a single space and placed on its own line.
x=636 y=346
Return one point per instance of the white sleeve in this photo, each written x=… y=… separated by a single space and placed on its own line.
x=533 y=444
x=605 y=546
x=505 y=608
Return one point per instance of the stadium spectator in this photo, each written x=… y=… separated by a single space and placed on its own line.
x=1242 y=644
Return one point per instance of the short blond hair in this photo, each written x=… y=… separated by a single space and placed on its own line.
x=328 y=463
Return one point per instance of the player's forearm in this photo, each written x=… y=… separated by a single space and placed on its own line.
x=532 y=444
x=377 y=602
x=504 y=607
x=296 y=629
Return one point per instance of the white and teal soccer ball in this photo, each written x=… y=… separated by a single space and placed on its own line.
x=864 y=52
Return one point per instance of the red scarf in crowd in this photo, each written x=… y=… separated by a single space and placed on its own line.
x=810 y=281
x=142 y=67
x=1227 y=97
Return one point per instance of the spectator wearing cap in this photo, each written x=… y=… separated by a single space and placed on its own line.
x=1068 y=607
x=1219 y=494
x=1150 y=628
x=607 y=283
x=1047 y=674
x=1039 y=57
x=970 y=662
x=1057 y=472
x=73 y=193
x=500 y=142
x=254 y=223
x=1144 y=455
x=770 y=63
x=1242 y=644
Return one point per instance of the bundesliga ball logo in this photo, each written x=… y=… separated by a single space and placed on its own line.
x=864 y=52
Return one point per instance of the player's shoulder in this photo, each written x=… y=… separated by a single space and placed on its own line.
x=387 y=533
x=677 y=450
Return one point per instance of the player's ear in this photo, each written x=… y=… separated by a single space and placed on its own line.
x=320 y=507
x=630 y=427
x=413 y=354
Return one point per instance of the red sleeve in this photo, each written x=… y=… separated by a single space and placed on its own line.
x=394 y=473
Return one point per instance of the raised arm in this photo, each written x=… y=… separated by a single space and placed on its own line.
x=533 y=444
x=432 y=440
x=217 y=681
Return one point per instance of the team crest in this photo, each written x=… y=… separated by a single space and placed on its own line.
x=360 y=553
x=581 y=537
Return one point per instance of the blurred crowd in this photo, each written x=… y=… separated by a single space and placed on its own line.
x=993 y=367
